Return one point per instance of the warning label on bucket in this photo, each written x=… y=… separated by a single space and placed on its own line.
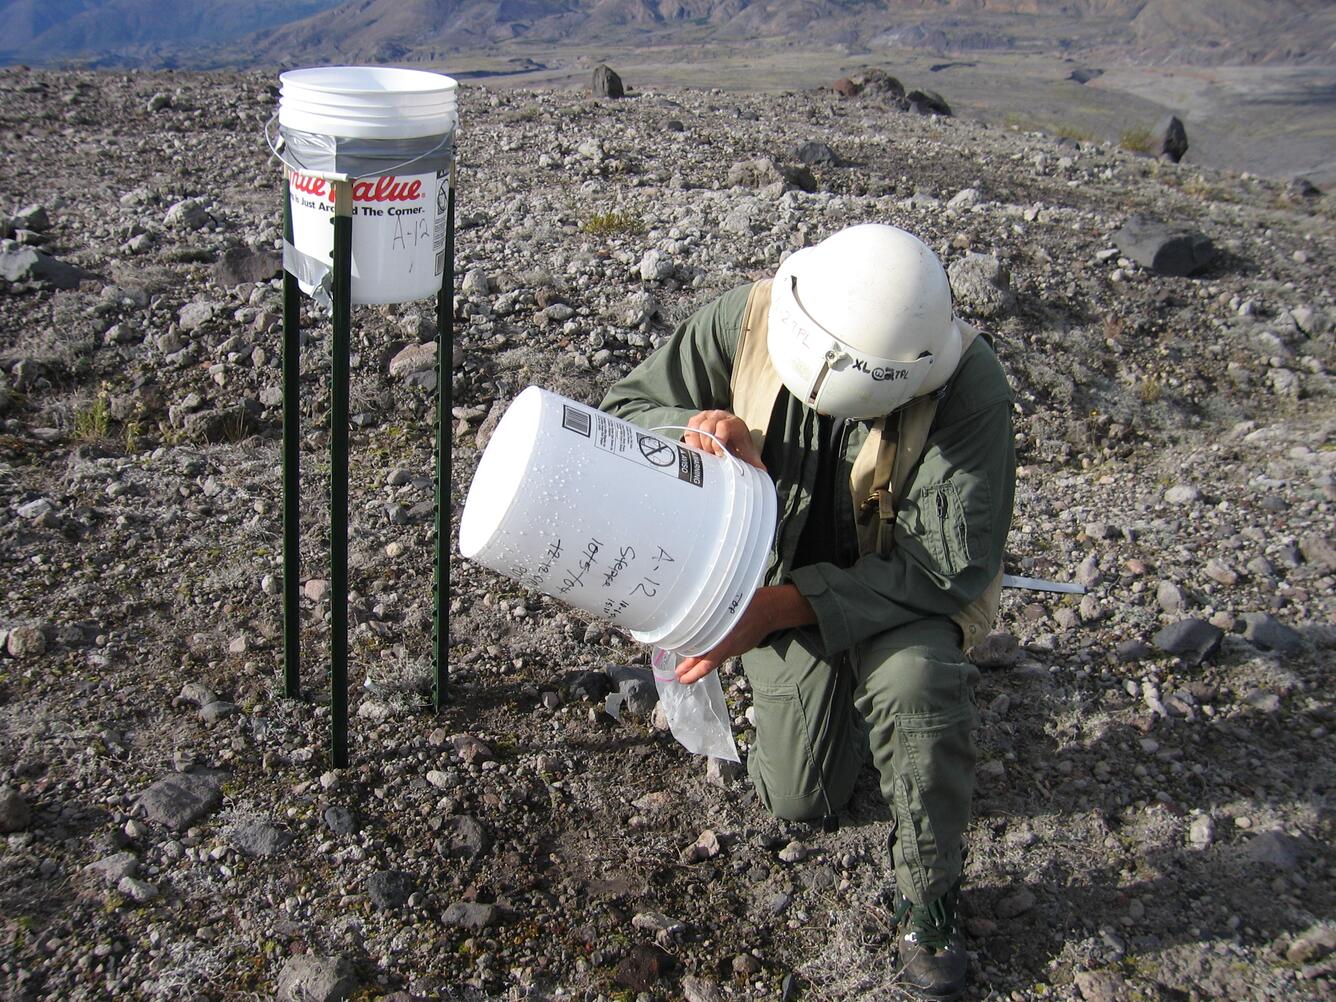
x=624 y=441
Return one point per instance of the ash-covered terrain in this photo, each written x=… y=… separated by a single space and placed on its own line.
x=1153 y=817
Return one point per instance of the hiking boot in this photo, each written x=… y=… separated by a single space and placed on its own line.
x=933 y=961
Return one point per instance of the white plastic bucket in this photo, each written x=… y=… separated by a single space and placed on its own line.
x=635 y=528
x=383 y=121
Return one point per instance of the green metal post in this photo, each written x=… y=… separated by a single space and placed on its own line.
x=445 y=353
x=292 y=558
x=338 y=471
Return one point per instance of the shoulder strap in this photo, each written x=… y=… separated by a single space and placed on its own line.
x=883 y=465
x=755 y=384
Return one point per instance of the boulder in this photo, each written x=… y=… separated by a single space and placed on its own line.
x=928 y=102
x=1170 y=139
x=607 y=83
x=26 y=264
x=240 y=265
x=981 y=285
x=308 y=978
x=1164 y=249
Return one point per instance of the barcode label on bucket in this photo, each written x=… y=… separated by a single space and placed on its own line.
x=575 y=420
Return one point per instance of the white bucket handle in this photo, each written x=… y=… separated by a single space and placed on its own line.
x=709 y=435
x=276 y=148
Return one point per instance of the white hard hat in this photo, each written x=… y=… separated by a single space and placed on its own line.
x=862 y=323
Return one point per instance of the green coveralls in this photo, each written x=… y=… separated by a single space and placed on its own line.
x=882 y=669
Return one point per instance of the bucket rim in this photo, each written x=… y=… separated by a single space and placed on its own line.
x=696 y=610
x=751 y=571
x=705 y=602
x=428 y=81
x=354 y=128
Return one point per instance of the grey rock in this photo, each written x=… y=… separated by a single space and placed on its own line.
x=476 y=282
x=875 y=82
x=642 y=968
x=639 y=697
x=1101 y=986
x=928 y=102
x=997 y=650
x=1313 y=944
x=188 y=214
x=981 y=285
x=722 y=773
x=467 y=837
x=197 y=693
x=764 y=171
x=218 y=710
x=639 y=307
x=32 y=217
x=413 y=359
x=26 y=642
x=696 y=989
x=817 y=154
x=340 y=820
x=470 y=915
x=15 y=815
x=1269 y=634
x=224 y=424
x=139 y=891
x=180 y=800
x=606 y=83
x=259 y=839
x=309 y=978
x=1170 y=139
x=1170 y=597
x=20 y=264
x=193 y=316
x=389 y=889
x=1017 y=903
x=114 y=868
x=655 y=266
x=1191 y=639
x=1274 y=848
x=1164 y=249
x=1201 y=833
x=1319 y=551
x=1182 y=494
x=242 y=265
x=1133 y=651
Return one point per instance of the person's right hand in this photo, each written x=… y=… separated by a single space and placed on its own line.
x=730 y=429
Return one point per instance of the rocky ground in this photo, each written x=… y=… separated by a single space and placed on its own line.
x=1154 y=814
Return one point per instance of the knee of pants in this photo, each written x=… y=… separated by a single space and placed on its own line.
x=918 y=686
x=802 y=764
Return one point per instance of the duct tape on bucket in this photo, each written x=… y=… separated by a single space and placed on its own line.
x=392 y=133
x=661 y=539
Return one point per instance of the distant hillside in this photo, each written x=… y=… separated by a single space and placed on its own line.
x=1208 y=31
x=196 y=33
x=129 y=31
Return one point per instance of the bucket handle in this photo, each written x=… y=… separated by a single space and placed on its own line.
x=709 y=435
x=276 y=147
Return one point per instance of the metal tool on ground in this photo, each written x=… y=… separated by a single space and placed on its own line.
x=1039 y=584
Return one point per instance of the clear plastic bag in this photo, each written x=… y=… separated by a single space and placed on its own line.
x=697 y=714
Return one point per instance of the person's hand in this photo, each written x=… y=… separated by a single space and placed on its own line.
x=776 y=608
x=730 y=429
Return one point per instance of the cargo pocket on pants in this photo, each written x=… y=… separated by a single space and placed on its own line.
x=782 y=765
x=932 y=792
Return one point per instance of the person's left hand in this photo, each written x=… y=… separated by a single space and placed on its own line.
x=774 y=608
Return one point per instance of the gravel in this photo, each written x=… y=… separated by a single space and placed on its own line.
x=1152 y=815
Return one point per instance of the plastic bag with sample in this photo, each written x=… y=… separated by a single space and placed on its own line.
x=697 y=714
